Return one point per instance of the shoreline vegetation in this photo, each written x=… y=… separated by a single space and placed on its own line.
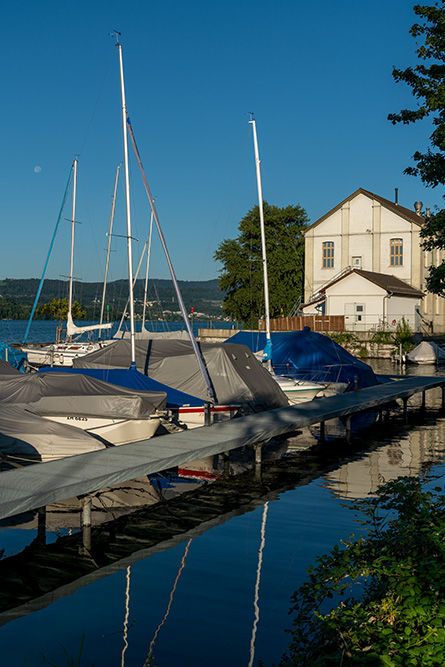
x=378 y=599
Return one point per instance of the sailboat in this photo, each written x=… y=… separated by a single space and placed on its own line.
x=63 y=353
x=297 y=391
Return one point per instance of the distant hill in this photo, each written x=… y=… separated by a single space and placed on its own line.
x=203 y=296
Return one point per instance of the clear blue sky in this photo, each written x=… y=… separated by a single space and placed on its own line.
x=316 y=74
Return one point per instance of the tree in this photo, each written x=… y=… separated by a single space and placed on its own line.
x=57 y=309
x=378 y=599
x=427 y=81
x=241 y=277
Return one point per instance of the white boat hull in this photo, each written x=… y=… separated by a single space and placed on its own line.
x=60 y=354
x=299 y=391
x=113 y=431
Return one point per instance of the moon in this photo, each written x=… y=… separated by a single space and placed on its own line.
x=37 y=169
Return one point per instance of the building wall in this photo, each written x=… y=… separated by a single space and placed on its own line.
x=361 y=231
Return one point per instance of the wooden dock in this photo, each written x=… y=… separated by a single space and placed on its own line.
x=34 y=486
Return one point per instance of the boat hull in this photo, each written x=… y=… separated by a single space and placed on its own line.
x=113 y=431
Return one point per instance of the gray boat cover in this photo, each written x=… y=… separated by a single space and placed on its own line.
x=24 y=435
x=426 y=353
x=8 y=369
x=237 y=377
x=67 y=394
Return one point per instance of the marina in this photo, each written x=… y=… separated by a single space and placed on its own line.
x=30 y=487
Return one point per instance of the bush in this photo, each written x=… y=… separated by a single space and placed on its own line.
x=388 y=587
x=403 y=335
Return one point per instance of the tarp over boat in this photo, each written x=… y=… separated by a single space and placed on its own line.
x=427 y=352
x=236 y=375
x=75 y=394
x=16 y=358
x=308 y=355
x=24 y=435
x=133 y=379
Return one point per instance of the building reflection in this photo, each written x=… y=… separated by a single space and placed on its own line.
x=405 y=456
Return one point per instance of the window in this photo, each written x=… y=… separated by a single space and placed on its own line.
x=396 y=252
x=328 y=254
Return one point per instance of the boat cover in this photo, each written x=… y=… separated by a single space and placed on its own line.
x=236 y=375
x=16 y=358
x=309 y=355
x=8 y=369
x=426 y=353
x=132 y=379
x=26 y=435
x=63 y=393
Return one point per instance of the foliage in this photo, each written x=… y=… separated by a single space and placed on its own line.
x=427 y=81
x=403 y=335
x=343 y=337
x=241 y=277
x=387 y=587
x=57 y=309
x=11 y=309
x=382 y=338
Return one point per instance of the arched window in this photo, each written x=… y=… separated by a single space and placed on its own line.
x=328 y=254
x=396 y=252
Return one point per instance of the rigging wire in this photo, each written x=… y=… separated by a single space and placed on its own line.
x=96 y=103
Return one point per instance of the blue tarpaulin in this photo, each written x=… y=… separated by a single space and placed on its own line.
x=309 y=355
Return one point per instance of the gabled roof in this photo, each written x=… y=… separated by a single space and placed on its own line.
x=403 y=212
x=387 y=282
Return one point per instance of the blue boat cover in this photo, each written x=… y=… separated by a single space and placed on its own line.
x=309 y=355
x=15 y=357
x=132 y=379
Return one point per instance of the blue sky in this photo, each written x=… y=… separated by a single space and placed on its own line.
x=317 y=76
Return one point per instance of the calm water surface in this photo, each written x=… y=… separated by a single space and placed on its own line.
x=220 y=593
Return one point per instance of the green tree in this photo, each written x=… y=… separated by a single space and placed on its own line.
x=378 y=600
x=241 y=277
x=57 y=309
x=427 y=81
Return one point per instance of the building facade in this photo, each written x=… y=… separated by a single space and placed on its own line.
x=369 y=233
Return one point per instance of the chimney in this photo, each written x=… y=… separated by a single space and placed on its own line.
x=396 y=201
x=418 y=207
x=428 y=212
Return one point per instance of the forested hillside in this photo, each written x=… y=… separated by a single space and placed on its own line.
x=205 y=297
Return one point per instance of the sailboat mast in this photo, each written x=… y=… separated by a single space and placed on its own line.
x=109 y=246
x=128 y=211
x=73 y=222
x=147 y=269
x=263 y=236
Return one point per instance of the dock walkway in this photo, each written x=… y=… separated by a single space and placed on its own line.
x=34 y=486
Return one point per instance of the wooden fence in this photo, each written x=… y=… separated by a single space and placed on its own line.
x=315 y=322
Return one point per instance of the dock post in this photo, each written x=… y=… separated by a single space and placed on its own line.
x=405 y=410
x=207 y=414
x=41 y=526
x=86 y=522
x=423 y=400
x=258 y=460
x=322 y=432
x=348 y=428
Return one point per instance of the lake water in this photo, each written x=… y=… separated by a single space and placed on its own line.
x=210 y=583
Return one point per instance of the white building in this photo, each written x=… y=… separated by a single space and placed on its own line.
x=373 y=235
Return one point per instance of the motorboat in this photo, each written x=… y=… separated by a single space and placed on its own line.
x=113 y=415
